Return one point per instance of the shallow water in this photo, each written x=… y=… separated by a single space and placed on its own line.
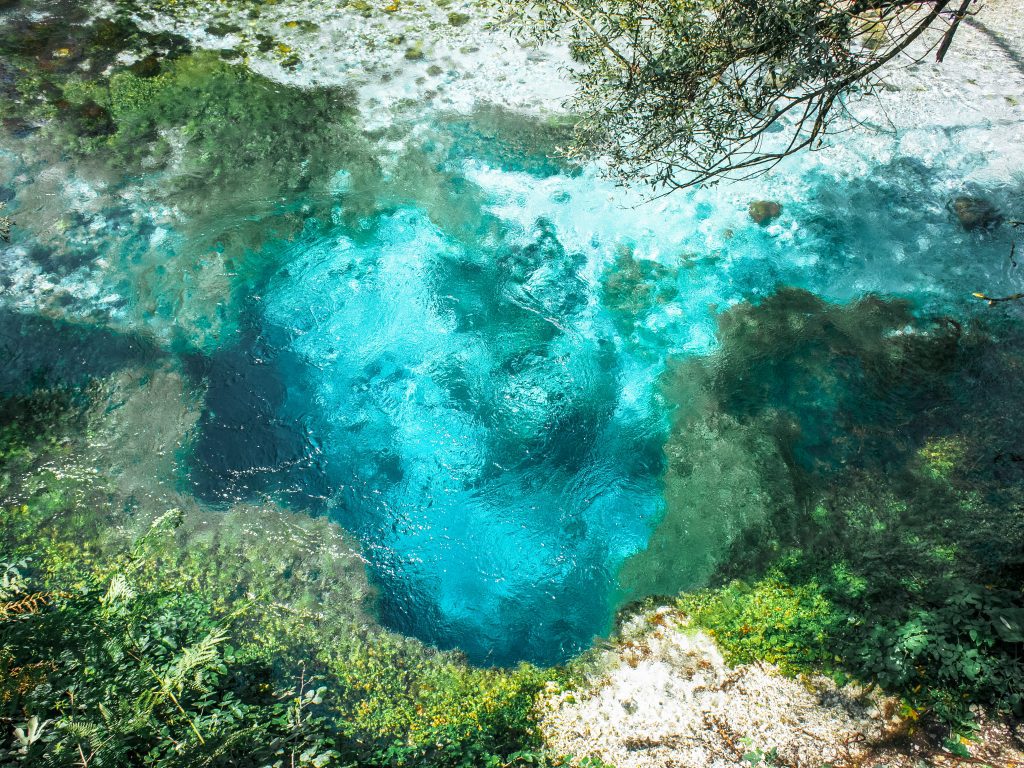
x=457 y=356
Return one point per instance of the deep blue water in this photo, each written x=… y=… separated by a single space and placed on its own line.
x=467 y=412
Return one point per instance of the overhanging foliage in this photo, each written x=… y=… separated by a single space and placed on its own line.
x=687 y=92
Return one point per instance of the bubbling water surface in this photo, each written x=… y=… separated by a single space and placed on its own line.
x=468 y=380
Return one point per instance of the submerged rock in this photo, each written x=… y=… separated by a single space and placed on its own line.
x=764 y=211
x=634 y=287
x=415 y=51
x=91 y=120
x=146 y=67
x=222 y=29
x=976 y=213
x=18 y=127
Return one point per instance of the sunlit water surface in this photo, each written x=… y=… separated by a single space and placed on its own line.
x=466 y=375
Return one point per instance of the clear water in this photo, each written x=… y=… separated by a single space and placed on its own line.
x=461 y=364
x=477 y=403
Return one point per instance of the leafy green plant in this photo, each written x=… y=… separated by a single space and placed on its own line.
x=111 y=676
x=770 y=620
x=762 y=757
x=888 y=543
x=189 y=649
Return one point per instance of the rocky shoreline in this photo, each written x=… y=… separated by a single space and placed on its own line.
x=662 y=695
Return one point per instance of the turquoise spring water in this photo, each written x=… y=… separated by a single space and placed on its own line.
x=470 y=385
x=466 y=375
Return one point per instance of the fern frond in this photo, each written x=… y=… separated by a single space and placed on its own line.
x=194 y=659
x=114 y=648
x=80 y=730
x=147 y=700
x=119 y=591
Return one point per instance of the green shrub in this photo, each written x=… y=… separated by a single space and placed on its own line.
x=110 y=676
x=274 y=612
x=770 y=620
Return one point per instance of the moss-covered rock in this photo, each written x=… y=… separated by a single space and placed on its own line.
x=415 y=52
x=223 y=29
x=764 y=212
x=631 y=288
x=976 y=213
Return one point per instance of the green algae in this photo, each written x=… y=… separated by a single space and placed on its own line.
x=70 y=42
x=223 y=135
x=30 y=425
x=860 y=469
x=632 y=287
x=942 y=455
x=799 y=392
x=243 y=134
x=266 y=154
x=722 y=478
x=510 y=139
x=837 y=379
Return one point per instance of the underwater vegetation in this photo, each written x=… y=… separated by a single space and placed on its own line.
x=203 y=104
x=867 y=465
x=633 y=287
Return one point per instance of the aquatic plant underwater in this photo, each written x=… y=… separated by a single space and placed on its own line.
x=532 y=397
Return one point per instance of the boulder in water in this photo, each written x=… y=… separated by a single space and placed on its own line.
x=764 y=212
x=975 y=213
x=148 y=66
x=89 y=120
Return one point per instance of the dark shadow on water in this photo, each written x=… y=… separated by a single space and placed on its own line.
x=1009 y=47
x=244 y=447
x=44 y=352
